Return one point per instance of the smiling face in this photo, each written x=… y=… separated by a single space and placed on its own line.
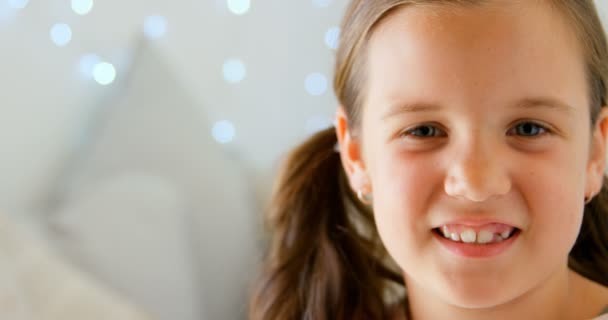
x=471 y=116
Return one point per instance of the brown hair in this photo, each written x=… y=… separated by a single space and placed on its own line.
x=325 y=259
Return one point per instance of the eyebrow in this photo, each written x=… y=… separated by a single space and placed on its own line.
x=545 y=103
x=526 y=103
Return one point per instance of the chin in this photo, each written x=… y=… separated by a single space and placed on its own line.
x=477 y=295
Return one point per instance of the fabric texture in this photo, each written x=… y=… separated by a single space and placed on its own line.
x=35 y=283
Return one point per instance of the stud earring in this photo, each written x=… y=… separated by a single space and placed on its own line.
x=364 y=198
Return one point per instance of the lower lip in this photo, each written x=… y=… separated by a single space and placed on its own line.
x=473 y=250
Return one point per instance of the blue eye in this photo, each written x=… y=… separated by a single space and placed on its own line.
x=425 y=131
x=529 y=129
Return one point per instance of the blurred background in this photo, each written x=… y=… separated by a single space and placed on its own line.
x=139 y=144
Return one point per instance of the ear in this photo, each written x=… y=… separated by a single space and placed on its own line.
x=351 y=155
x=597 y=156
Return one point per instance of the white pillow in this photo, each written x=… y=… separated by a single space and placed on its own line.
x=131 y=231
x=36 y=284
x=151 y=176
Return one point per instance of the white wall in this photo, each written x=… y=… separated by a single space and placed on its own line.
x=45 y=98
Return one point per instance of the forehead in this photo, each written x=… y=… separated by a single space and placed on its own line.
x=475 y=54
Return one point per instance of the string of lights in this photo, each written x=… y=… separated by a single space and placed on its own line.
x=94 y=67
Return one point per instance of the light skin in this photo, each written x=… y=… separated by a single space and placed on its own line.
x=480 y=112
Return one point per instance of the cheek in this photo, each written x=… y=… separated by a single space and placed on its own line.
x=401 y=186
x=545 y=193
x=553 y=191
x=400 y=183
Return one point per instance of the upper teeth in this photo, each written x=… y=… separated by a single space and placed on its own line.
x=454 y=236
x=470 y=236
x=485 y=236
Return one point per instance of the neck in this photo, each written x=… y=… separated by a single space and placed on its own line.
x=558 y=297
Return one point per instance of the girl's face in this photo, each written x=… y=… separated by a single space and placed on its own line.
x=477 y=119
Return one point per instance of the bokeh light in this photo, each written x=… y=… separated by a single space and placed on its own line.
x=234 y=70
x=18 y=4
x=332 y=37
x=316 y=84
x=82 y=7
x=61 y=34
x=155 y=26
x=87 y=64
x=104 y=73
x=238 y=7
x=223 y=131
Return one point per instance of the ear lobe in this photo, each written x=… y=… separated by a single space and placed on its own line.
x=350 y=153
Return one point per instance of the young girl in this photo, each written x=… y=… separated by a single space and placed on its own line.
x=470 y=171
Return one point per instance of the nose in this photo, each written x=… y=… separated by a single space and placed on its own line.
x=477 y=173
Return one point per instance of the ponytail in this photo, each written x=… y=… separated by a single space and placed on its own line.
x=325 y=259
x=589 y=256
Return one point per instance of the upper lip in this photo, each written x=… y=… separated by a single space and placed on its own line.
x=476 y=222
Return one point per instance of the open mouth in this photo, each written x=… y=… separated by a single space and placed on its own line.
x=480 y=237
